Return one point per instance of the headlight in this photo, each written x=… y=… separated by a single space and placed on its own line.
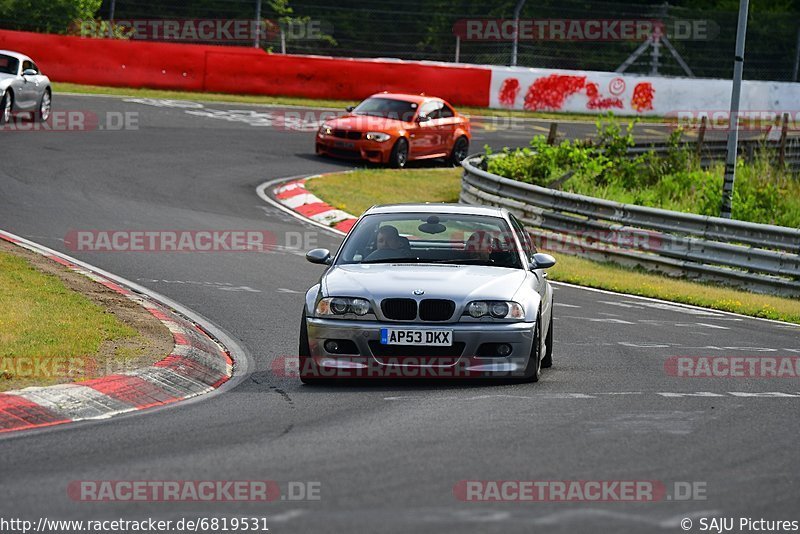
x=333 y=306
x=378 y=136
x=497 y=309
x=325 y=130
x=477 y=309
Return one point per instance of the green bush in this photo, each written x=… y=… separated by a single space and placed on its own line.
x=674 y=180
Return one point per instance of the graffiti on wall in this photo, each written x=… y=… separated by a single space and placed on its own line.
x=550 y=93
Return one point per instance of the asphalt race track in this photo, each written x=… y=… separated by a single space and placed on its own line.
x=387 y=456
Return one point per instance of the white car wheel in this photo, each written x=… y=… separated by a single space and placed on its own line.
x=45 y=106
x=6 y=104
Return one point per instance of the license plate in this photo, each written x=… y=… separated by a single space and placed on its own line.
x=343 y=144
x=403 y=336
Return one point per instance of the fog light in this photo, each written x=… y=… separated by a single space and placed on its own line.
x=332 y=346
x=504 y=349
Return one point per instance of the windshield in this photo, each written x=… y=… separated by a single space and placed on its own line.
x=8 y=64
x=388 y=108
x=428 y=238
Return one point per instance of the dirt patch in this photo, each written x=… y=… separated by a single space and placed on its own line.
x=152 y=343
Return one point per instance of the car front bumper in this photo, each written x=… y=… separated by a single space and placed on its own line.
x=361 y=149
x=372 y=359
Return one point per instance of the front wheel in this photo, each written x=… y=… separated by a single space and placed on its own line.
x=533 y=370
x=309 y=372
x=45 y=106
x=547 y=361
x=399 y=155
x=6 y=104
x=460 y=151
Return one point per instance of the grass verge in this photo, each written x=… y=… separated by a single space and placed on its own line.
x=64 y=87
x=612 y=277
x=355 y=192
x=50 y=332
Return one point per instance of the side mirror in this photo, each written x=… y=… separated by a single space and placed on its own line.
x=29 y=72
x=542 y=261
x=349 y=108
x=321 y=256
x=423 y=118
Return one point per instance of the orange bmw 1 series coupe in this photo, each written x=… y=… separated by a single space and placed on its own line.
x=397 y=128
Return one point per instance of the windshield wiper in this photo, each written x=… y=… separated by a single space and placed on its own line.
x=466 y=261
x=391 y=260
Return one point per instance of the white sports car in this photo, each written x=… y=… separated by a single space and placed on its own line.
x=23 y=88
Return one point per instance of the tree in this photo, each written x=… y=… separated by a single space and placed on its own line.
x=51 y=16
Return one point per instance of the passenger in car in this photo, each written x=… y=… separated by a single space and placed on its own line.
x=481 y=244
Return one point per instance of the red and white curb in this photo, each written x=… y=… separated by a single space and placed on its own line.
x=296 y=197
x=198 y=364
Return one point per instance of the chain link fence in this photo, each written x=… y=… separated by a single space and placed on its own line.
x=425 y=30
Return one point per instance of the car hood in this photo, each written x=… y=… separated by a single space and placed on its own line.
x=363 y=123
x=461 y=283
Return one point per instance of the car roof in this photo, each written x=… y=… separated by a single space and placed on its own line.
x=16 y=55
x=463 y=209
x=419 y=99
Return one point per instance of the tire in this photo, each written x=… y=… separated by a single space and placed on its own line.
x=309 y=373
x=45 y=106
x=460 y=151
x=6 y=107
x=547 y=361
x=399 y=156
x=533 y=370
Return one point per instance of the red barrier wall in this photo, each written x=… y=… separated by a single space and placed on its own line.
x=241 y=70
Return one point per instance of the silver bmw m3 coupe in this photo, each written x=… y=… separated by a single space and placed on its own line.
x=429 y=290
x=23 y=88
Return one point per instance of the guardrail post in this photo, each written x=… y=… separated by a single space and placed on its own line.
x=782 y=149
x=701 y=135
x=749 y=152
x=551 y=137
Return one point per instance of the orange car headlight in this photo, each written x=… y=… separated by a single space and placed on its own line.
x=378 y=136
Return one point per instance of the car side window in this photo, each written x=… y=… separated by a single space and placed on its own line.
x=34 y=67
x=528 y=248
x=447 y=112
x=27 y=65
x=432 y=110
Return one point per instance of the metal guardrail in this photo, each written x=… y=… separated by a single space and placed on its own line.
x=714 y=151
x=759 y=257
